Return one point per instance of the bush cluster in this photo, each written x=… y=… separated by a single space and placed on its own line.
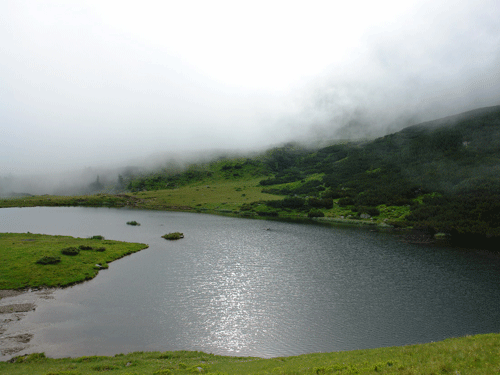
x=315 y=213
x=70 y=251
x=48 y=260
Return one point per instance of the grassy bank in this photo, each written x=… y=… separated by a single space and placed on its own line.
x=219 y=196
x=229 y=187
x=20 y=252
x=467 y=355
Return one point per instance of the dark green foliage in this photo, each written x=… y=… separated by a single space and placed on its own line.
x=133 y=223
x=458 y=157
x=85 y=247
x=48 y=260
x=336 y=193
x=372 y=211
x=463 y=215
x=72 y=251
x=100 y=249
x=282 y=158
x=315 y=213
x=97 y=237
x=295 y=203
x=346 y=201
x=320 y=203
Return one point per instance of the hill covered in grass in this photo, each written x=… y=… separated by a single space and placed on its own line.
x=440 y=176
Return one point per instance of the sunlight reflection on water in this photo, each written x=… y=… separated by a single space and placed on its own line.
x=233 y=287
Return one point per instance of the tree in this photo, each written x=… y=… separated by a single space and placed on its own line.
x=96 y=185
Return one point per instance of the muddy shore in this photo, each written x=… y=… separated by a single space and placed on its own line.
x=14 y=305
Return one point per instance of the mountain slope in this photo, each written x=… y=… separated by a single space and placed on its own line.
x=440 y=176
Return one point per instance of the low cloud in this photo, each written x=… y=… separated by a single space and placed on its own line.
x=104 y=85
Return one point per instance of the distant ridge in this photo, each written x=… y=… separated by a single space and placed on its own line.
x=453 y=119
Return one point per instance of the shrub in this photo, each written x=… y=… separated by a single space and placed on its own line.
x=315 y=213
x=372 y=211
x=291 y=202
x=48 y=260
x=320 y=203
x=100 y=249
x=133 y=223
x=97 y=237
x=347 y=201
x=245 y=207
x=173 y=236
x=85 y=247
x=70 y=251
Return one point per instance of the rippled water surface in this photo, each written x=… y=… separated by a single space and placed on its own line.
x=252 y=287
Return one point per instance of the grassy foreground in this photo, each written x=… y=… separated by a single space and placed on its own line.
x=19 y=253
x=467 y=355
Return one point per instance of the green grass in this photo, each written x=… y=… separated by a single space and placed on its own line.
x=97 y=200
x=19 y=253
x=207 y=195
x=214 y=194
x=466 y=355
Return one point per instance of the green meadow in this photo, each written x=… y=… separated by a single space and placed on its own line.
x=68 y=260
x=228 y=187
x=466 y=355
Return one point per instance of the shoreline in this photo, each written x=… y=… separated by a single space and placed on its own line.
x=19 y=303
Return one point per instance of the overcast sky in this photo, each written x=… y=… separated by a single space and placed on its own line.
x=89 y=83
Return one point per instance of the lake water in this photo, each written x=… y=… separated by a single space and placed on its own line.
x=253 y=287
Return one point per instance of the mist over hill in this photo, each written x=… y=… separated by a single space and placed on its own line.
x=445 y=154
x=442 y=176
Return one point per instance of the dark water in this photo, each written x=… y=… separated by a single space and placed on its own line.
x=251 y=287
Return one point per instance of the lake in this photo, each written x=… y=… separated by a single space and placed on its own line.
x=246 y=287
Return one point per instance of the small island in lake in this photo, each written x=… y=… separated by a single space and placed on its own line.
x=174 y=236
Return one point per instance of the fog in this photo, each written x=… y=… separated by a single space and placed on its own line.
x=108 y=84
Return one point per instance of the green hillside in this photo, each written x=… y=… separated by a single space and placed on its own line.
x=439 y=176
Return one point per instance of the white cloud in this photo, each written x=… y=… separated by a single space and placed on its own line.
x=88 y=82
